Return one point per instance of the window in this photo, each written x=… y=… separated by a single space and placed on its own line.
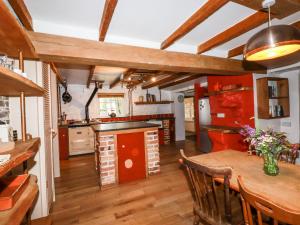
x=111 y=103
x=189 y=108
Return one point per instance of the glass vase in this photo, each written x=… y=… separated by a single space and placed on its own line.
x=270 y=164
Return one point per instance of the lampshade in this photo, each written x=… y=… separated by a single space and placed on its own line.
x=272 y=42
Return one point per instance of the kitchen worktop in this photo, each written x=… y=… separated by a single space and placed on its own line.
x=103 y=127
x=223 y=129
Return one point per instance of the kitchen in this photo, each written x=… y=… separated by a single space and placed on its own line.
x=100 y=100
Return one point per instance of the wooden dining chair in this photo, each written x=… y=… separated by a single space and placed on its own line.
x=213 y=204
x=290 y=156
x=264 y=208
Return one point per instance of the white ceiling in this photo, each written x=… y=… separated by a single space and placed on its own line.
x=141 y=22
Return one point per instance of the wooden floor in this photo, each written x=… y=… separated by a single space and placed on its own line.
x=162 y=199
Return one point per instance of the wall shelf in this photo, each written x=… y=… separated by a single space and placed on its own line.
x=154 y=103
x=22 y=152
x=16 y=214
x=272 y=92
x=211 y=93
x=12 y=84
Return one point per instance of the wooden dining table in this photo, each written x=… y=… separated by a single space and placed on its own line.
x=283 y=189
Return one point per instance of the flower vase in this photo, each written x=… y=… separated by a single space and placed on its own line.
x=270 y=164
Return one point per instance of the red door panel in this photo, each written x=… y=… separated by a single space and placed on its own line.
x=131 y=157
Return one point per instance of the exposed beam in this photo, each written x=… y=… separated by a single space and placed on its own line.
x=57 y=73
x=170 y=84
x=281 y=9
x=13 y=36
x=198 y=17
x=62 y=49
x=158 y=82
x=107 y=14
x=239 y=50
x=22 y=12
x=236 y=51
x=118 y=79
x=92 y=70
x=238 y=29
x=165 y=79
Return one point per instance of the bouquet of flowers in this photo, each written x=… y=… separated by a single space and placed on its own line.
x=269 y=144
x=265 y=141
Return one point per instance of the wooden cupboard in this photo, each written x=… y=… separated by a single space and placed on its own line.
x=131 y=157
x=63 y=137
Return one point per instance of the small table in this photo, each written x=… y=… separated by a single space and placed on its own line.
x=283 y=189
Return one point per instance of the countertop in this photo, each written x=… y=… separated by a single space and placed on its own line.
x=103 y=127
x=223 y=129
x=80 y=124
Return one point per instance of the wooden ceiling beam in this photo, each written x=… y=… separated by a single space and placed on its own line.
x=158 y=82
x=239 y=50
x=22 y=12
x=57 y=73
x=13 y=36
x=92 y=70
x=198 y=17
x=107 y=14
x=235 y=51
x=281 y=9
x=126 y=75
x=62 y=49
x=185 y=79
x=238 y=29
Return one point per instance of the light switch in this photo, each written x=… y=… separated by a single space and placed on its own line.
x=221 y=115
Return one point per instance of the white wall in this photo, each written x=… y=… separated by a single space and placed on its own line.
x=178 y=110
x=80 y=95
x=35 y=126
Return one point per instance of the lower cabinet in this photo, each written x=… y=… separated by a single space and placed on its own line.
x=63 y=137
x=131 y=157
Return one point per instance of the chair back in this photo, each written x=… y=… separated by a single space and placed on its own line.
x=288 y=156
x=265 y=207
x=203 y=187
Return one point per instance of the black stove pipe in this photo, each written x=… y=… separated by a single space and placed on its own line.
x=87 y=115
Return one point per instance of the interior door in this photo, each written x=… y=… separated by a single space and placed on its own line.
x=131 y=157
x=48 y=133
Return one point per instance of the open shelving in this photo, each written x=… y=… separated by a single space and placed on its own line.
x=22 y=152
x=16 y=214
x=154 y=103
x=272 y=92
x=211 y=93
x=12 y=84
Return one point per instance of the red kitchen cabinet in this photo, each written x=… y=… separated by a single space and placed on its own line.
x=63 y=137
x=131 y=157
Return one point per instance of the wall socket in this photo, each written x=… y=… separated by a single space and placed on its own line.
x=221 y=115
x=286 y=124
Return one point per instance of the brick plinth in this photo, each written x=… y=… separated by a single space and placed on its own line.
x=152 y=151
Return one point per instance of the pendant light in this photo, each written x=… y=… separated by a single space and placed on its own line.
x=272 y=42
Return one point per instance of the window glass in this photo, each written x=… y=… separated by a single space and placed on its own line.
x=110 y=105
x=189 y=108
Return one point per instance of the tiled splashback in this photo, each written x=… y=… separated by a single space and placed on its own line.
x=4 y=109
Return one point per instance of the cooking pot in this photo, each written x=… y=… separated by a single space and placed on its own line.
x=66 y=97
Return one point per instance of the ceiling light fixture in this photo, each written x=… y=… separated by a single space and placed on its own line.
x=272 y=42
x=153 y=79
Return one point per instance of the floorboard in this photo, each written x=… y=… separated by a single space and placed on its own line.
x=162 y=199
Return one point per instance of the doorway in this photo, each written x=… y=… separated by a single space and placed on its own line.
x=189 y=118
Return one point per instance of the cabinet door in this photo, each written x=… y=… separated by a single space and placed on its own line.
x=131 y=157
x=63 y=143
